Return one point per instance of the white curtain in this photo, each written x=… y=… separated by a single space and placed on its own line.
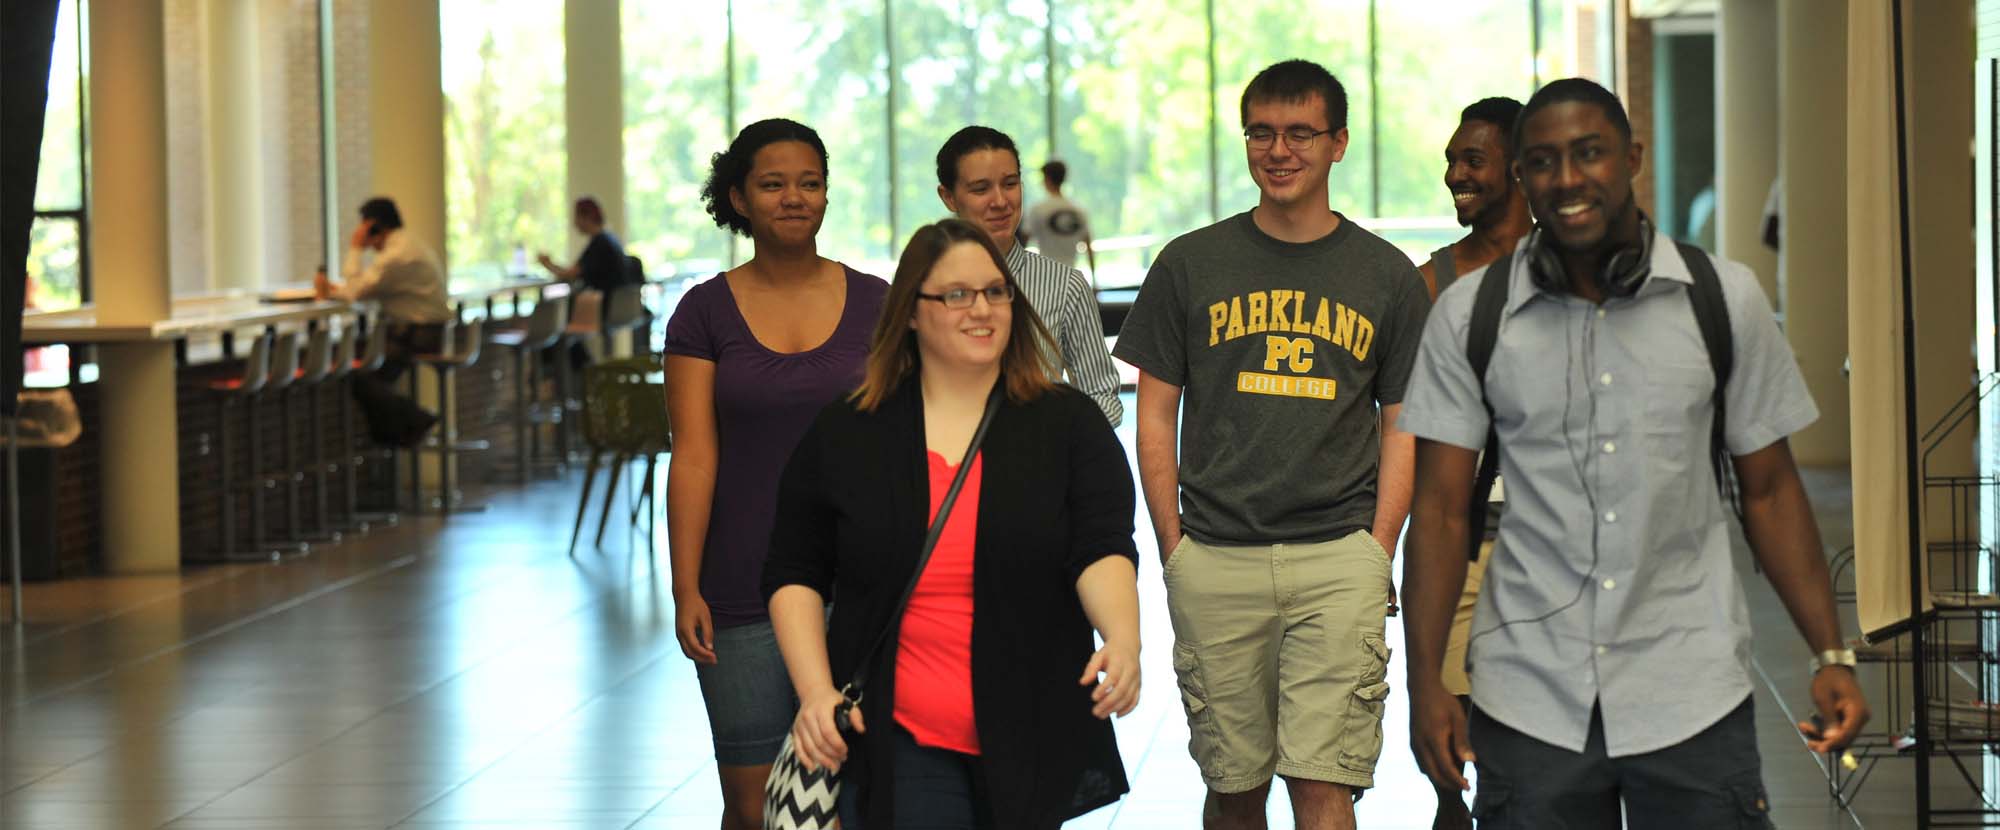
x=1875 y=321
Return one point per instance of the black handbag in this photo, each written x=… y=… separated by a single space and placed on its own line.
x=796 y=798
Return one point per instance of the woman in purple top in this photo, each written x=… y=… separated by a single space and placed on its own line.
x=752 y=357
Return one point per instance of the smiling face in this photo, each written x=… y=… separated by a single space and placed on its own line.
x=987 y=194
x=972 y=338
x=1476 y=171
x=784 y=197
x=1285 y=176
x=1576 y=169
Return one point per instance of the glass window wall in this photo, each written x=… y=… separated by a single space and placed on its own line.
x=825 y=64
x=58 y=261
x=675 y=118
x=1132 y=125
x=505 y=163
x=1139 y=97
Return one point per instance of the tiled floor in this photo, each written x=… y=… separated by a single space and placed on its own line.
x=468 y=674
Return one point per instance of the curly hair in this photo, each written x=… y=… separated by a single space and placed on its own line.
x=730 y=169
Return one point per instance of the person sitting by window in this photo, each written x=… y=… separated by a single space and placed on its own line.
x=601 y=266
x=403 y=279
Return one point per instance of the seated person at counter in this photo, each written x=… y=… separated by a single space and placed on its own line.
x=403 y=279
x=601 y=266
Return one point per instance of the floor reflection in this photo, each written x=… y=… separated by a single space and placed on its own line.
x=469 y=674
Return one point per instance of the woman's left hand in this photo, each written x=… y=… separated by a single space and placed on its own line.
x=1118 y=692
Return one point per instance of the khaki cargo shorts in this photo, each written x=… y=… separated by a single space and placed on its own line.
x=1456 y=680
x=1280 y=657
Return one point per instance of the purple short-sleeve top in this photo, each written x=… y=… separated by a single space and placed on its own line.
x=764 y=401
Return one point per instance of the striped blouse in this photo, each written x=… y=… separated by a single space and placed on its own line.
x=1063 y=299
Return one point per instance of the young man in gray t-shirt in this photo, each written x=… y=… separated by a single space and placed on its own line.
x=1290 y=332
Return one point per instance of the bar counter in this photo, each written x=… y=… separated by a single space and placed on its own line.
x=209 y=335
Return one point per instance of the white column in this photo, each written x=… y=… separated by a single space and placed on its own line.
x=234 y=143
x=406 y=117
x=140 y=474
x=1746 y=133
x=594 y=115
x=594 y=106
x=1812 y=160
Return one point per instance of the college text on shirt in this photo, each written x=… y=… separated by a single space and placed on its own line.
x=1281 y=315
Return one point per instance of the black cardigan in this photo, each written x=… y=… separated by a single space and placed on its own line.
x=1055 y=496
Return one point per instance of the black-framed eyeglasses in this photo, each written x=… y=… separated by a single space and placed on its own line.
x=1297 y=138
x=959 y=299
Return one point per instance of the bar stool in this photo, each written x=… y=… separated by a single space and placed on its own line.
x=447 y=444
x=544 y=331
x=586 y=317
x=376 y=354
x=284 y=371
x=344 y=352
x=245 y=388
x=318 y=367
x=624 y=309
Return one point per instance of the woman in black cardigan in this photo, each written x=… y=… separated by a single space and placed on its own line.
x=1054 y=561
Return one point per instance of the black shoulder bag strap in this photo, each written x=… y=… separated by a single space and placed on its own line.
x=1479 y=342
x=852 y=691
x=1711 y=315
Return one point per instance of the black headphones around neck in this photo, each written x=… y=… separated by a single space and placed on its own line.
x=1624 y=270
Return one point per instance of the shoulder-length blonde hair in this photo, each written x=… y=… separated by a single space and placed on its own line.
x=1025 y=366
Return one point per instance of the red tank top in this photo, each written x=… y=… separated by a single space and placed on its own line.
x=934 y=657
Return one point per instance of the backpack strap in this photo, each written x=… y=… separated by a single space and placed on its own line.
x=1711 y=315
x=1480 y=339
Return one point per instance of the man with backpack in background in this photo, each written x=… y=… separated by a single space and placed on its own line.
x=1609 y=652
x=1478 y=172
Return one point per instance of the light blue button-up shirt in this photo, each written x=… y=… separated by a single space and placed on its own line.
x=1611 y=582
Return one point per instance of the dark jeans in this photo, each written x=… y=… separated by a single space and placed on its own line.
x=392 y=416
x=936 y=789
x=1711 y=781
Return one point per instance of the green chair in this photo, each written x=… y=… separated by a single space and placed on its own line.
x=624 y=416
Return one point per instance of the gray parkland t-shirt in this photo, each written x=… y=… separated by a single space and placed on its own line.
x=1282 y=351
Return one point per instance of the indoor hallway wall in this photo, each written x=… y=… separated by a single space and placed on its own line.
x=1746 y=133
x=1940 y=53
x=594 y=109
x=353 y=152
x=243 y=126
x=1940 y=56
x=187 y=166
x=1635 y=88
x=1812 y=164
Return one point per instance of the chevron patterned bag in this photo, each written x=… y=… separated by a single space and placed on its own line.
x=799 y=799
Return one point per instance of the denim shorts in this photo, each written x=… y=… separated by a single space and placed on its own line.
x=748 y=695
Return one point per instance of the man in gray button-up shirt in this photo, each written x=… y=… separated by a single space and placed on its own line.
x=1608 y=654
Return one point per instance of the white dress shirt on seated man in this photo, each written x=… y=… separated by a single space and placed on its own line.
x=404 y=278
